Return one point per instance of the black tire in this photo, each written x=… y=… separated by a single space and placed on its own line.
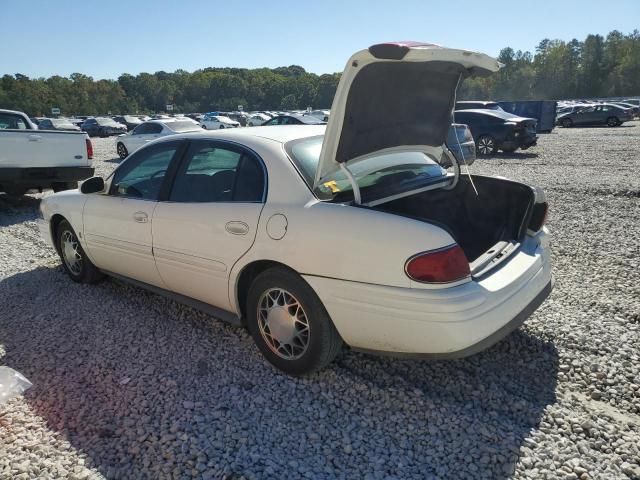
x=486 y=145
x=221 y=127
x=122 y=150
x=204 y=126
x=567 y=123
x=15 y=191
x=85 y=272
x=613 y=122
x=323 y=341
x=61 y=186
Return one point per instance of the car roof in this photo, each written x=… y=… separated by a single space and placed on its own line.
x=276 y=133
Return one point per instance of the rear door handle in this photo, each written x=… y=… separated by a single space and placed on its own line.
x=140 y=217
x=34 y=138
x=237 y=228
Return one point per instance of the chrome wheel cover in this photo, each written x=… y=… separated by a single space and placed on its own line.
x=122 y=150
x=70 y=249
x=485 y=145
x=283 y=324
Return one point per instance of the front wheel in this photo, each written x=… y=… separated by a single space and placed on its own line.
x=486 y=145
x=122 y=150
x=74 y=259
x=221 y=127
x=613 y=122
x=289 y=324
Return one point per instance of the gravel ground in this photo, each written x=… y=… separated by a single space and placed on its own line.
x=130 y=385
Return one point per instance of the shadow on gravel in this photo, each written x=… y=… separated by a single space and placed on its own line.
x=114 y=160
x=19 y=209
x=147 y=388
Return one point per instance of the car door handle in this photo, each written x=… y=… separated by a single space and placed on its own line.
x=237 y=228
x=34 y=138
x=140 y=217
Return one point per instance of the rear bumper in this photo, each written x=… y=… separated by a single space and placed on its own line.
x=42 y=176
x=440 y=323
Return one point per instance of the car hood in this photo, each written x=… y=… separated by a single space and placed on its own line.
x=395 y=96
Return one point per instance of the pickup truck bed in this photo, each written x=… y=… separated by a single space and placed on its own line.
x=39 y=159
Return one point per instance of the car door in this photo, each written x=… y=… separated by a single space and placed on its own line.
x=117 y=224
x=143 y=134
x=209 y=220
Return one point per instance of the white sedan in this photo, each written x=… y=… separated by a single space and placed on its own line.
x=218 y=122
x=149 y=131
x=257 y=119
x=316 y=236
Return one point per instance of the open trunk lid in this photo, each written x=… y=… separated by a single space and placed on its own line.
x=395 y=97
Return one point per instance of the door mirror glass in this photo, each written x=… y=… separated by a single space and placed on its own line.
x=93 y=185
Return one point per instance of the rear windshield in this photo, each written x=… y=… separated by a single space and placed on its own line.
x=376 y=175
x=184 y=126
x=106 y=121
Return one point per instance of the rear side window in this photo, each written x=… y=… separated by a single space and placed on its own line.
x=10 y=121
x=215 y=173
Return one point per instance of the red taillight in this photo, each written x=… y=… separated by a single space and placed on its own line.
x=89 y=149
x=439 y=266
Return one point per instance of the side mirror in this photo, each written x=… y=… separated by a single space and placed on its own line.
x=92 y=185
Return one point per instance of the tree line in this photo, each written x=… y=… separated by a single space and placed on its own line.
x=596 y=67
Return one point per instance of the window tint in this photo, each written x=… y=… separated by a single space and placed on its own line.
x=216 y=174
x=141 y=176
x=10 y=121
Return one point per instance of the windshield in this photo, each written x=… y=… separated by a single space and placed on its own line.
x=375 y=175
x=183 y=126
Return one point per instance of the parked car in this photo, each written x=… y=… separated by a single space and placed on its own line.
x=57 y=124
x=316 y=236
x=569 y=109
x=150 y=131
x=635 y=109
x=476 y=104
x=294 y=119
x=102 y=127
x=31 y=158
x=319 y=114
x=461 y=144
x=599 y=114
x=495 y=130
x=544 y=111
x=257 y=119
x=240 y=117
x=217 y=122
x=128 y=121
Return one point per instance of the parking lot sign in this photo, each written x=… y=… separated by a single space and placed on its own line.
x=240 y=108
x=55 y=111
x=169 y=107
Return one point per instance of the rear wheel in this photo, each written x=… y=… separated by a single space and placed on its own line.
x=613 y=121
x=486 y=145
x=567 y=122
x=289 y=324
x=122 y=150
x=14 y=191
x=221 y=127
x=74 y=259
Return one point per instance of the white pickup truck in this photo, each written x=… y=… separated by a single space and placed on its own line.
x=39 y=159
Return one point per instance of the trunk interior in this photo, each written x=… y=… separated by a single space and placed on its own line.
x=499 y=213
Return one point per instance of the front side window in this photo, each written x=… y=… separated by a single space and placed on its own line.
x=214 y=173
x=142 y=174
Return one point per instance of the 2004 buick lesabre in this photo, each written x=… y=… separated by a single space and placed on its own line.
x=316 y=236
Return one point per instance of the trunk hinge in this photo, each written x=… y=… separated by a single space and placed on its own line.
x=354 y=184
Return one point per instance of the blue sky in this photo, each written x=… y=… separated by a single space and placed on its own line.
x=106 y=38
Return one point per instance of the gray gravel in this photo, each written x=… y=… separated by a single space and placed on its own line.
x=130 y=385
